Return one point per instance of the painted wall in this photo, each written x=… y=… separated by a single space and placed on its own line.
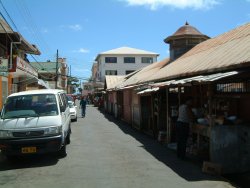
x=136 y=113
x=127 y=111
x=3 y=90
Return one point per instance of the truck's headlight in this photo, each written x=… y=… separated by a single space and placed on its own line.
x=53 y=130
x=6 y=134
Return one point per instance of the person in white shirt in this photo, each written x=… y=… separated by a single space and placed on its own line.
x=185 y=117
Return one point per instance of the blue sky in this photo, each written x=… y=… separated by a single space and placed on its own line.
x=80 y=29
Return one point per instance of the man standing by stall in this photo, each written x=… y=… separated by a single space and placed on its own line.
x=185 y=117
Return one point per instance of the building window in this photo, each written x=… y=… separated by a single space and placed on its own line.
x=110 y=59
x=129 y=71
x=111 y=72
x=129 y=59
x=147 y=60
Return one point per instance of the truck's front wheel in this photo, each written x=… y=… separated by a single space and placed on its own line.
x=62 y=152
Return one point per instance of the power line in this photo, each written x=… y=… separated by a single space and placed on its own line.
x=17 y=47
x=13 y=32
x=33 y=31
x=6 y=30
x=27 y=17
x=8 y=15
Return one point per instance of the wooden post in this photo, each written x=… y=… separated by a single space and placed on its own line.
x=168 y=137
x=210 y=111
x=210 y=104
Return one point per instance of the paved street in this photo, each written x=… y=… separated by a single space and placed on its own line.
x=106 y=153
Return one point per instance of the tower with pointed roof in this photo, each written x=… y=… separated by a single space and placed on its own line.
x=185 y=38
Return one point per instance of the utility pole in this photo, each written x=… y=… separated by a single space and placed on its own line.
x=80 y=86
x=70 y=70
x=69 y=80
x=56 y=68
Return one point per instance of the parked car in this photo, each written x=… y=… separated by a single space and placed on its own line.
x=73 y=111
x=34 y=122
x=70 y=98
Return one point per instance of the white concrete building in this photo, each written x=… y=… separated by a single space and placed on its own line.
x=122 y=61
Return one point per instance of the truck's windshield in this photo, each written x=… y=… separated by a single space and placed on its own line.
x=30 y=106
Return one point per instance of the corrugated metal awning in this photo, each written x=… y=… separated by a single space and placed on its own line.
x=149 y=90
x=201 y=78
x=162 y=84
x=131 y=86
x=43 y=83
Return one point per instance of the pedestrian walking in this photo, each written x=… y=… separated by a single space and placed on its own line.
x=83 y=106
x=185 y=117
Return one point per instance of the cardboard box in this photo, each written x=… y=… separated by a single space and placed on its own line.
x=212 y=168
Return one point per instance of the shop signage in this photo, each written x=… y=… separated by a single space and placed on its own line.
x=3 y=65
x=25 y=66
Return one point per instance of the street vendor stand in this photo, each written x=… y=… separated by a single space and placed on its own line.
x=221 y=132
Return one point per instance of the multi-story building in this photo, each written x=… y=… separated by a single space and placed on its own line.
x=90 y=87
x=55 y=74
x=122 y=61
x=94 y=72
x=16 y=73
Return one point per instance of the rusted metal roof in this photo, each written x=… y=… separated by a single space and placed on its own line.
x=226 y=52
x=186 y=30
x=143 y=75
x=111 y=81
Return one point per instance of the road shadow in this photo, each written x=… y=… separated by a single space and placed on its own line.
x=31 y=161
x=189 y=169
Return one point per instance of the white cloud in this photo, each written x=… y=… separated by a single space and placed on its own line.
x=82 y=50
x=45 y=30
x=75 y=27
x=181 y=4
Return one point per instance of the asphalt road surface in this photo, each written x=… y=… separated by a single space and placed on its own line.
x=105 y=153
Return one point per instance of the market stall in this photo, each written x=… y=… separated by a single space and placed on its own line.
x=221 y=129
